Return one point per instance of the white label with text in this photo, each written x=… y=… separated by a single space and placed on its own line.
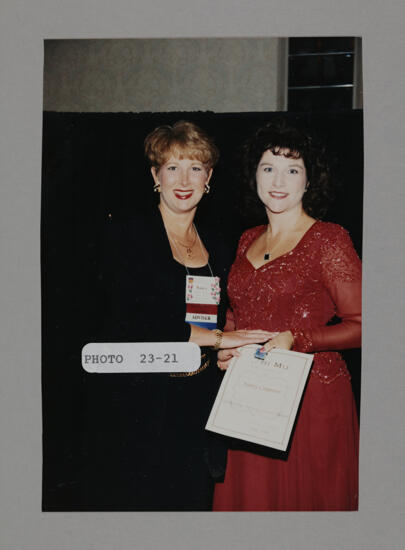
x=127 y=357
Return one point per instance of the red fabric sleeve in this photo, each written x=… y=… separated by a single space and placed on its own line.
x=341 y=275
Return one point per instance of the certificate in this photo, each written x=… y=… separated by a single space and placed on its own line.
x=259 y=398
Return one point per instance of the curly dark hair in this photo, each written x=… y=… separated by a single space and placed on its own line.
x=283 y=139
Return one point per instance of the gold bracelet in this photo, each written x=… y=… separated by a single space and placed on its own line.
x=219 y=339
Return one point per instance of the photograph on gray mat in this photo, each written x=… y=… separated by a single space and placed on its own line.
x=234 y=165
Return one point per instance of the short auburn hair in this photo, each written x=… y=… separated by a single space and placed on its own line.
x=183 y=140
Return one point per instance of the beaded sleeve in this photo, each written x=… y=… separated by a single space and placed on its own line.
x=341 y=275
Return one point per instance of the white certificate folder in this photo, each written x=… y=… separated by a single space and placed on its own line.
x=259 y=398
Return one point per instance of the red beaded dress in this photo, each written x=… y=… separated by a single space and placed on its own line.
x=302 y=291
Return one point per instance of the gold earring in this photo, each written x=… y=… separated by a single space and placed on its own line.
x=207 y=189
x=156 y=188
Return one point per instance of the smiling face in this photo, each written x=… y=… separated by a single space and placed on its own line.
x=182 y=183
x=281 y=182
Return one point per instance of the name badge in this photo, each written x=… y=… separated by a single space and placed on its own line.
x=202 y=299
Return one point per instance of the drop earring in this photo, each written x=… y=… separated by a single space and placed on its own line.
x=156 y=188
x=207 y=189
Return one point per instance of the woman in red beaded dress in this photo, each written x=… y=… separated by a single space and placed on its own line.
x=292 y=277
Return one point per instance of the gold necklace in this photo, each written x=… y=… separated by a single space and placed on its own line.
x=189 y=248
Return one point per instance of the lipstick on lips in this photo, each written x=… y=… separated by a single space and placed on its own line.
x=182 y=195
x=278 y=195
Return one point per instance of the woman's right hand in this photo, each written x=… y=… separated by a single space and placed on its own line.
x=229 y=339
x=238 y=338
x=225 y=356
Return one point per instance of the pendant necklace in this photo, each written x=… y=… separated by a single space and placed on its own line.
x=268 y=250
x=181 y=256
x=267 y=254
x=189 y=248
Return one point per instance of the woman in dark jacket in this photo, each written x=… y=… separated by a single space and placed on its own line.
x=146 y=444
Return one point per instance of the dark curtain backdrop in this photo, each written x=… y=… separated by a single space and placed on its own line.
x=94 y=169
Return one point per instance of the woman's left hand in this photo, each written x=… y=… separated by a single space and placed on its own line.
x=283 y=340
